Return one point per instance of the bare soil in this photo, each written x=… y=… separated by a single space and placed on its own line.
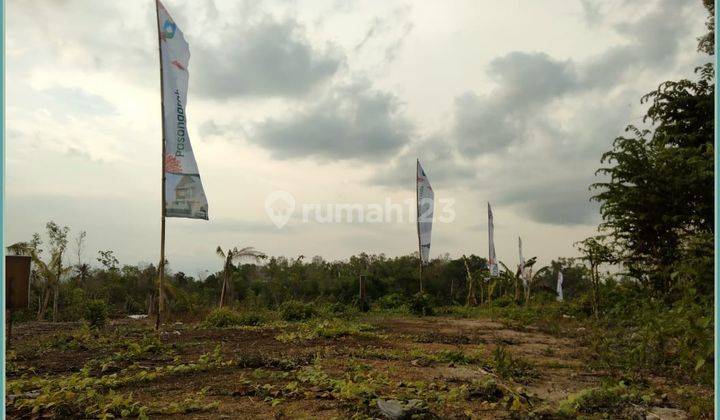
x=261 y=358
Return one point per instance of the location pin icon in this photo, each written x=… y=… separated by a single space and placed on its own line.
x=279 y=206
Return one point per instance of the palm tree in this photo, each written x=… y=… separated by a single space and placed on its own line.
x=231 y=256
x=82 y=270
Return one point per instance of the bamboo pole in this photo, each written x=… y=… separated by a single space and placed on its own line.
x=161 y=266
x=417 y=205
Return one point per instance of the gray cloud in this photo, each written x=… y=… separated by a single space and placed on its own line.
x=268 y=57
x=351 y=122
x=591 y=12
x=387 y=33
x=566 y=201
x=439 y=159
x=653 y=41
x=526 y=83
x=547 y=161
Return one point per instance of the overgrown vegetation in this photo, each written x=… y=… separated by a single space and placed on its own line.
x=639 y=297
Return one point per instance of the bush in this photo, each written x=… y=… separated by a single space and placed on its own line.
x=614 y=400
x=226 y=317
x=251 y=319
x=337 y=309
x=503 y=301
x=221 y=318
x=391 y=301
x=422 y=304
x=296 y=311
x=74 y=304
x=96 y=313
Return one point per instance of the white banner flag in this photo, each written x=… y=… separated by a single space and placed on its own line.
x=521 y=267
x=425 y=208
x=492 y=259
x=559 y=286
x=184 y=194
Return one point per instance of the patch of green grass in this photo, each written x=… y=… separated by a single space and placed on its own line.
x=616 y=400
x=507 y=366
x=82 y=395
x=332 y=328
x=226 y=317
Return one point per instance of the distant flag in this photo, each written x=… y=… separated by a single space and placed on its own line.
x=184 y=194
x=559 y=286
x=521 y=267
x=425 y=208
x=492 y=259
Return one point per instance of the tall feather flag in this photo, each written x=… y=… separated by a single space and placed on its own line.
x=492 y=259
x=521 y=268
x=184 y=193
x=425 y=208
x=559 y=286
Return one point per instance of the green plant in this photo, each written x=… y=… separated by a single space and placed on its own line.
x=221 y=318
x=422 y=304
x=294 y=310
x=96 y=313
x=390 y=301
x=614 y=400
x=507 y=366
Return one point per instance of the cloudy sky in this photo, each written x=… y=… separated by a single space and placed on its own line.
x=511 y=102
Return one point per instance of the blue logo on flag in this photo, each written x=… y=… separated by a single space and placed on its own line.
x=169 y=29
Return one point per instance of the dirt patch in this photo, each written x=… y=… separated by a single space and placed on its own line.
x=252 y=373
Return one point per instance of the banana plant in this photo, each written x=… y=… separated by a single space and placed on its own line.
x=527 y=272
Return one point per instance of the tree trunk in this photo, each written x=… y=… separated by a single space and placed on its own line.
x=471 y=300
x=151 y=305
x=45 y=302
x=56 y=295
x=222 y=292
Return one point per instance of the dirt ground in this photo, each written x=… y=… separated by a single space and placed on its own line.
x=267 y=372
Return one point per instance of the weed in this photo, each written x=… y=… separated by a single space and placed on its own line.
x=616 y=400
x=507 y=366
x=96 y=313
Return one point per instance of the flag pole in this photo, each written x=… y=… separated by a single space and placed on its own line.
x=161 y=266
x=417 y=203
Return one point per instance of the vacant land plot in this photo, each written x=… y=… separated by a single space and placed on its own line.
x=361 y=366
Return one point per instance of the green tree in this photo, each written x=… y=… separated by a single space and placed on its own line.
x=595 y=251
x=657 y=194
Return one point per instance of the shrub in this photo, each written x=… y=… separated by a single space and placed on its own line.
x=336 y=308
x=96 y=313
x=74 y=305
x=296 y=311
x=222 y=317
x=614 y=400
x=422 y=304
x=391 y=301
x=508 y=366
x=503 y=301
x=251 y=319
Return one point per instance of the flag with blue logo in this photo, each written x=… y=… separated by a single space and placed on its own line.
x=184 y=193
